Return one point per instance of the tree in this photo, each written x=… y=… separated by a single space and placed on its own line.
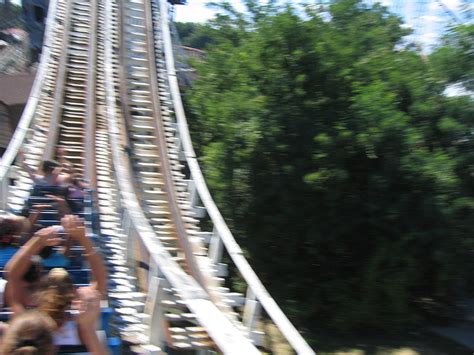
x=454 y=60
x=340 y=164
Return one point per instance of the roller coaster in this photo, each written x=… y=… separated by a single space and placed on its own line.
x=106 y=90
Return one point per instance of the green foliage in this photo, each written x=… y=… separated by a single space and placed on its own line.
x=454 y=60
x=194 y=35
x=341 y=166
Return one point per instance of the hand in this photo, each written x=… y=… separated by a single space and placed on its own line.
x=62 y=204
x=49 y=236
x=55 y=198
x=57 y=170
x=74 y=226
x=88 y=306
x=41 y=207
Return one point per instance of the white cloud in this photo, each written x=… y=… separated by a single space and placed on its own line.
x=431 y=18
x=433 y=6
x=387 y=2
x=194 y=11
x=427 y=39
x=197 y=11
x=451 y=4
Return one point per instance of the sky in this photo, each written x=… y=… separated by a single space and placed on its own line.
x=428 y=17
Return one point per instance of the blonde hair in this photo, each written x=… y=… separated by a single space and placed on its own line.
x=29 y=333
x=56 y=295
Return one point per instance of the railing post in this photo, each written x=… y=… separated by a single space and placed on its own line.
x=252 y=312
x=4 y=191
x=129 y=234
x=154 y=307
x=126 y=223
x=216 y=247
x=193 y=195
x=153 y=271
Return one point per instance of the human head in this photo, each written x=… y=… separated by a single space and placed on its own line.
x=49 y=165
x=29 y=333
x=56 y=295
x=10 y=227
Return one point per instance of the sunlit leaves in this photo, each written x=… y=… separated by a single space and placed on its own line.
x=337 y=156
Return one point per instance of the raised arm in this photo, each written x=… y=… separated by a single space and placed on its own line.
x=29 y=169
x=20 y=263
x=65 y=164
x=35 y=214
x=74 y=226
x=89 y=311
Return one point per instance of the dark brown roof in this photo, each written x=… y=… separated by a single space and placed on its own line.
x=15 y=89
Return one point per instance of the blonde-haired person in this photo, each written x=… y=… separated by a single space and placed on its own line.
x=56 y=293
x=29 y=333
x=34 y=332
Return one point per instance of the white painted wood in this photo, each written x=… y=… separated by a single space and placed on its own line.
x=28 y=115
x=216 y=247
x=222 y=331
x=154 y=307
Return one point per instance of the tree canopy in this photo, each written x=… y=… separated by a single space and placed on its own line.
x=340 y=164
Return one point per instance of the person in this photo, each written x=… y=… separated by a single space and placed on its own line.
x=29 y=333
x=35 y=332
x=28 y=283
x=67 y=166
x=76 y=187
x=15 y=229
x=49 y=237
x=56 y=295
x=51 y=173
x=11 y=228
x=75 y=193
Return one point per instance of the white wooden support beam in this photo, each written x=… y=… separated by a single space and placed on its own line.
x=154 y=308
x=4 y=192
x=153 y=271
x=126 y=223
x=216 y=247
x=179 y=142
x=131 y=236
x=252 y=312
x=193 y=195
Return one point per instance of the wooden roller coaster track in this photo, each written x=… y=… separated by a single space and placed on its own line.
x=106 y=91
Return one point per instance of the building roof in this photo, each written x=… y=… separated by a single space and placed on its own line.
x=15 y=89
